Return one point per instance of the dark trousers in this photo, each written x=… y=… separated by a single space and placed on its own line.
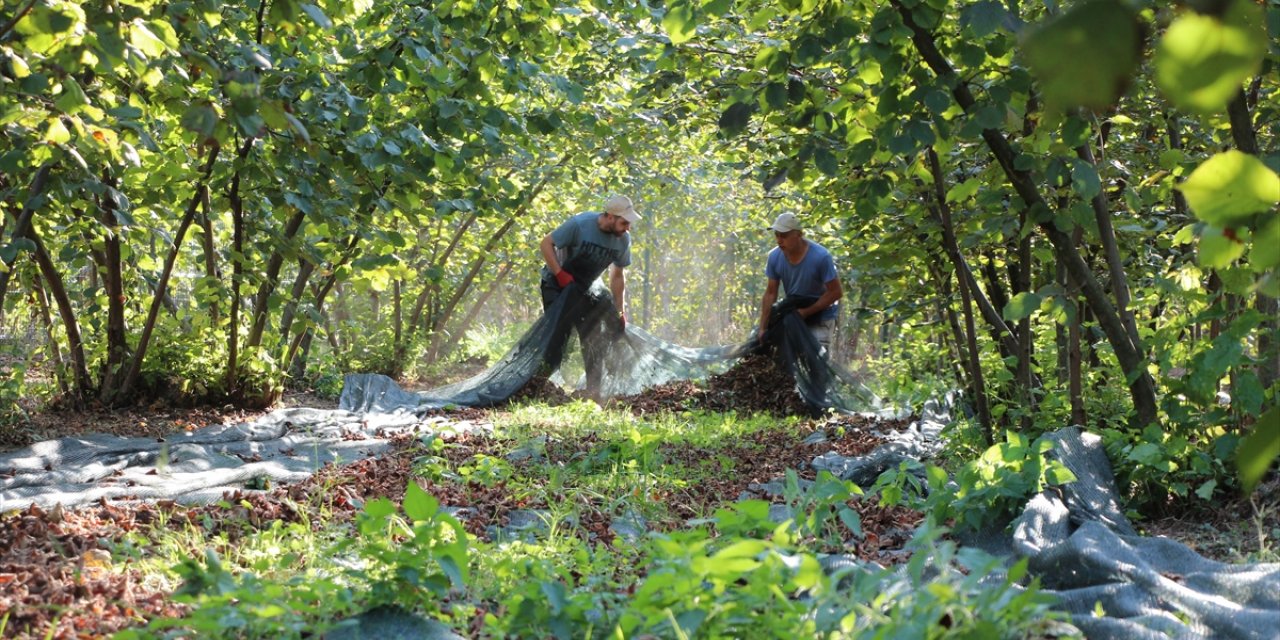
x=586 y=313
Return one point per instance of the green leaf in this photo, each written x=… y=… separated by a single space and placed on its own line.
x=72 y=98
x=165 y=32
x=1202 y=60
x=921 y=132
x=1259 y=449
x=555 y=595
x=1022 y=306
x=379 y=508
x=298 y=128
x=1084 y=179
x=984 y=17
x=1247 y=391
x=57 y=132
x=452 y=569
x=146 y=41
x=1147 y=453
x=937 y=101
x=1206 y=490
x=826 y=161
x=735 y=118
x=964 y=190
x=1086 y=56
x=852 y=520
x=680 y=23
x=201 y=119
x=317 y=15
x=272 y=113
x=775 y=95
x=1231 y=186
x=746 y=548
x=716 y=7
x=1217 y=250
x=418 y=504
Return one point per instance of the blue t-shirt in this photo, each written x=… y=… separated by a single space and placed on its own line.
x=585 y=251
x=809 y=278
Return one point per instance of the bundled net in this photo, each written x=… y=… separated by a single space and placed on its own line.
x=629 y=360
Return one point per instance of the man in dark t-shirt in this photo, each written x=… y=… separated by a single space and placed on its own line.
x=579 y=251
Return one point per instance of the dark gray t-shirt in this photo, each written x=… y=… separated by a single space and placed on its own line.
x=585 y=251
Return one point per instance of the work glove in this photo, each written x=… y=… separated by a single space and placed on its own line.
x=564 y=278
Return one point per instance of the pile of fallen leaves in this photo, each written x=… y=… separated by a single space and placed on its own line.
x=755 y=384
x=57 y=578
x=542 y=389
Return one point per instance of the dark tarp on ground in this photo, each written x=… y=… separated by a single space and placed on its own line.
x=1084 y=550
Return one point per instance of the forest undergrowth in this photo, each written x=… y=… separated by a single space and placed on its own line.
x=554 y=517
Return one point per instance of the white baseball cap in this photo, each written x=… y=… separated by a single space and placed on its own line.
x=621 y=206
x=786 y=222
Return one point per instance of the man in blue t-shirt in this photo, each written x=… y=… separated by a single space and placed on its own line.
x=807 y=272
x=579 y=250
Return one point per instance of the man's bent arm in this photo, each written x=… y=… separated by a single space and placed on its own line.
x=548 y=248
x=829 y=297
x=618 y=285
x=766 y=305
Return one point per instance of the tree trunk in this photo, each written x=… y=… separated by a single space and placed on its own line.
x=1132 y=359
x=211 y=271
x=1028 y=382
x=113 y=373
x=35 y=194
x=55 y=351
x=1175 y=142
x=303 y=340
x=1073 y=361
x=397 y=328
x=305 y=270
x=956 y=345
x=232 y=376
x=942 y=212
x=416 y=320
x=261 y=308
x=75 y=345
x=135 y=367
x=1115 y=265
x=1246 y=139
x=446 y=312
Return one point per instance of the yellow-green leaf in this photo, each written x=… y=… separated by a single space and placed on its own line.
x=1229 y=187
x=680 y=23
x=57 y=132
x=19 y=66
x=72 y=99
x=146 y=42
x=1217 y=250
x=1202 y=60
x=165 y=32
